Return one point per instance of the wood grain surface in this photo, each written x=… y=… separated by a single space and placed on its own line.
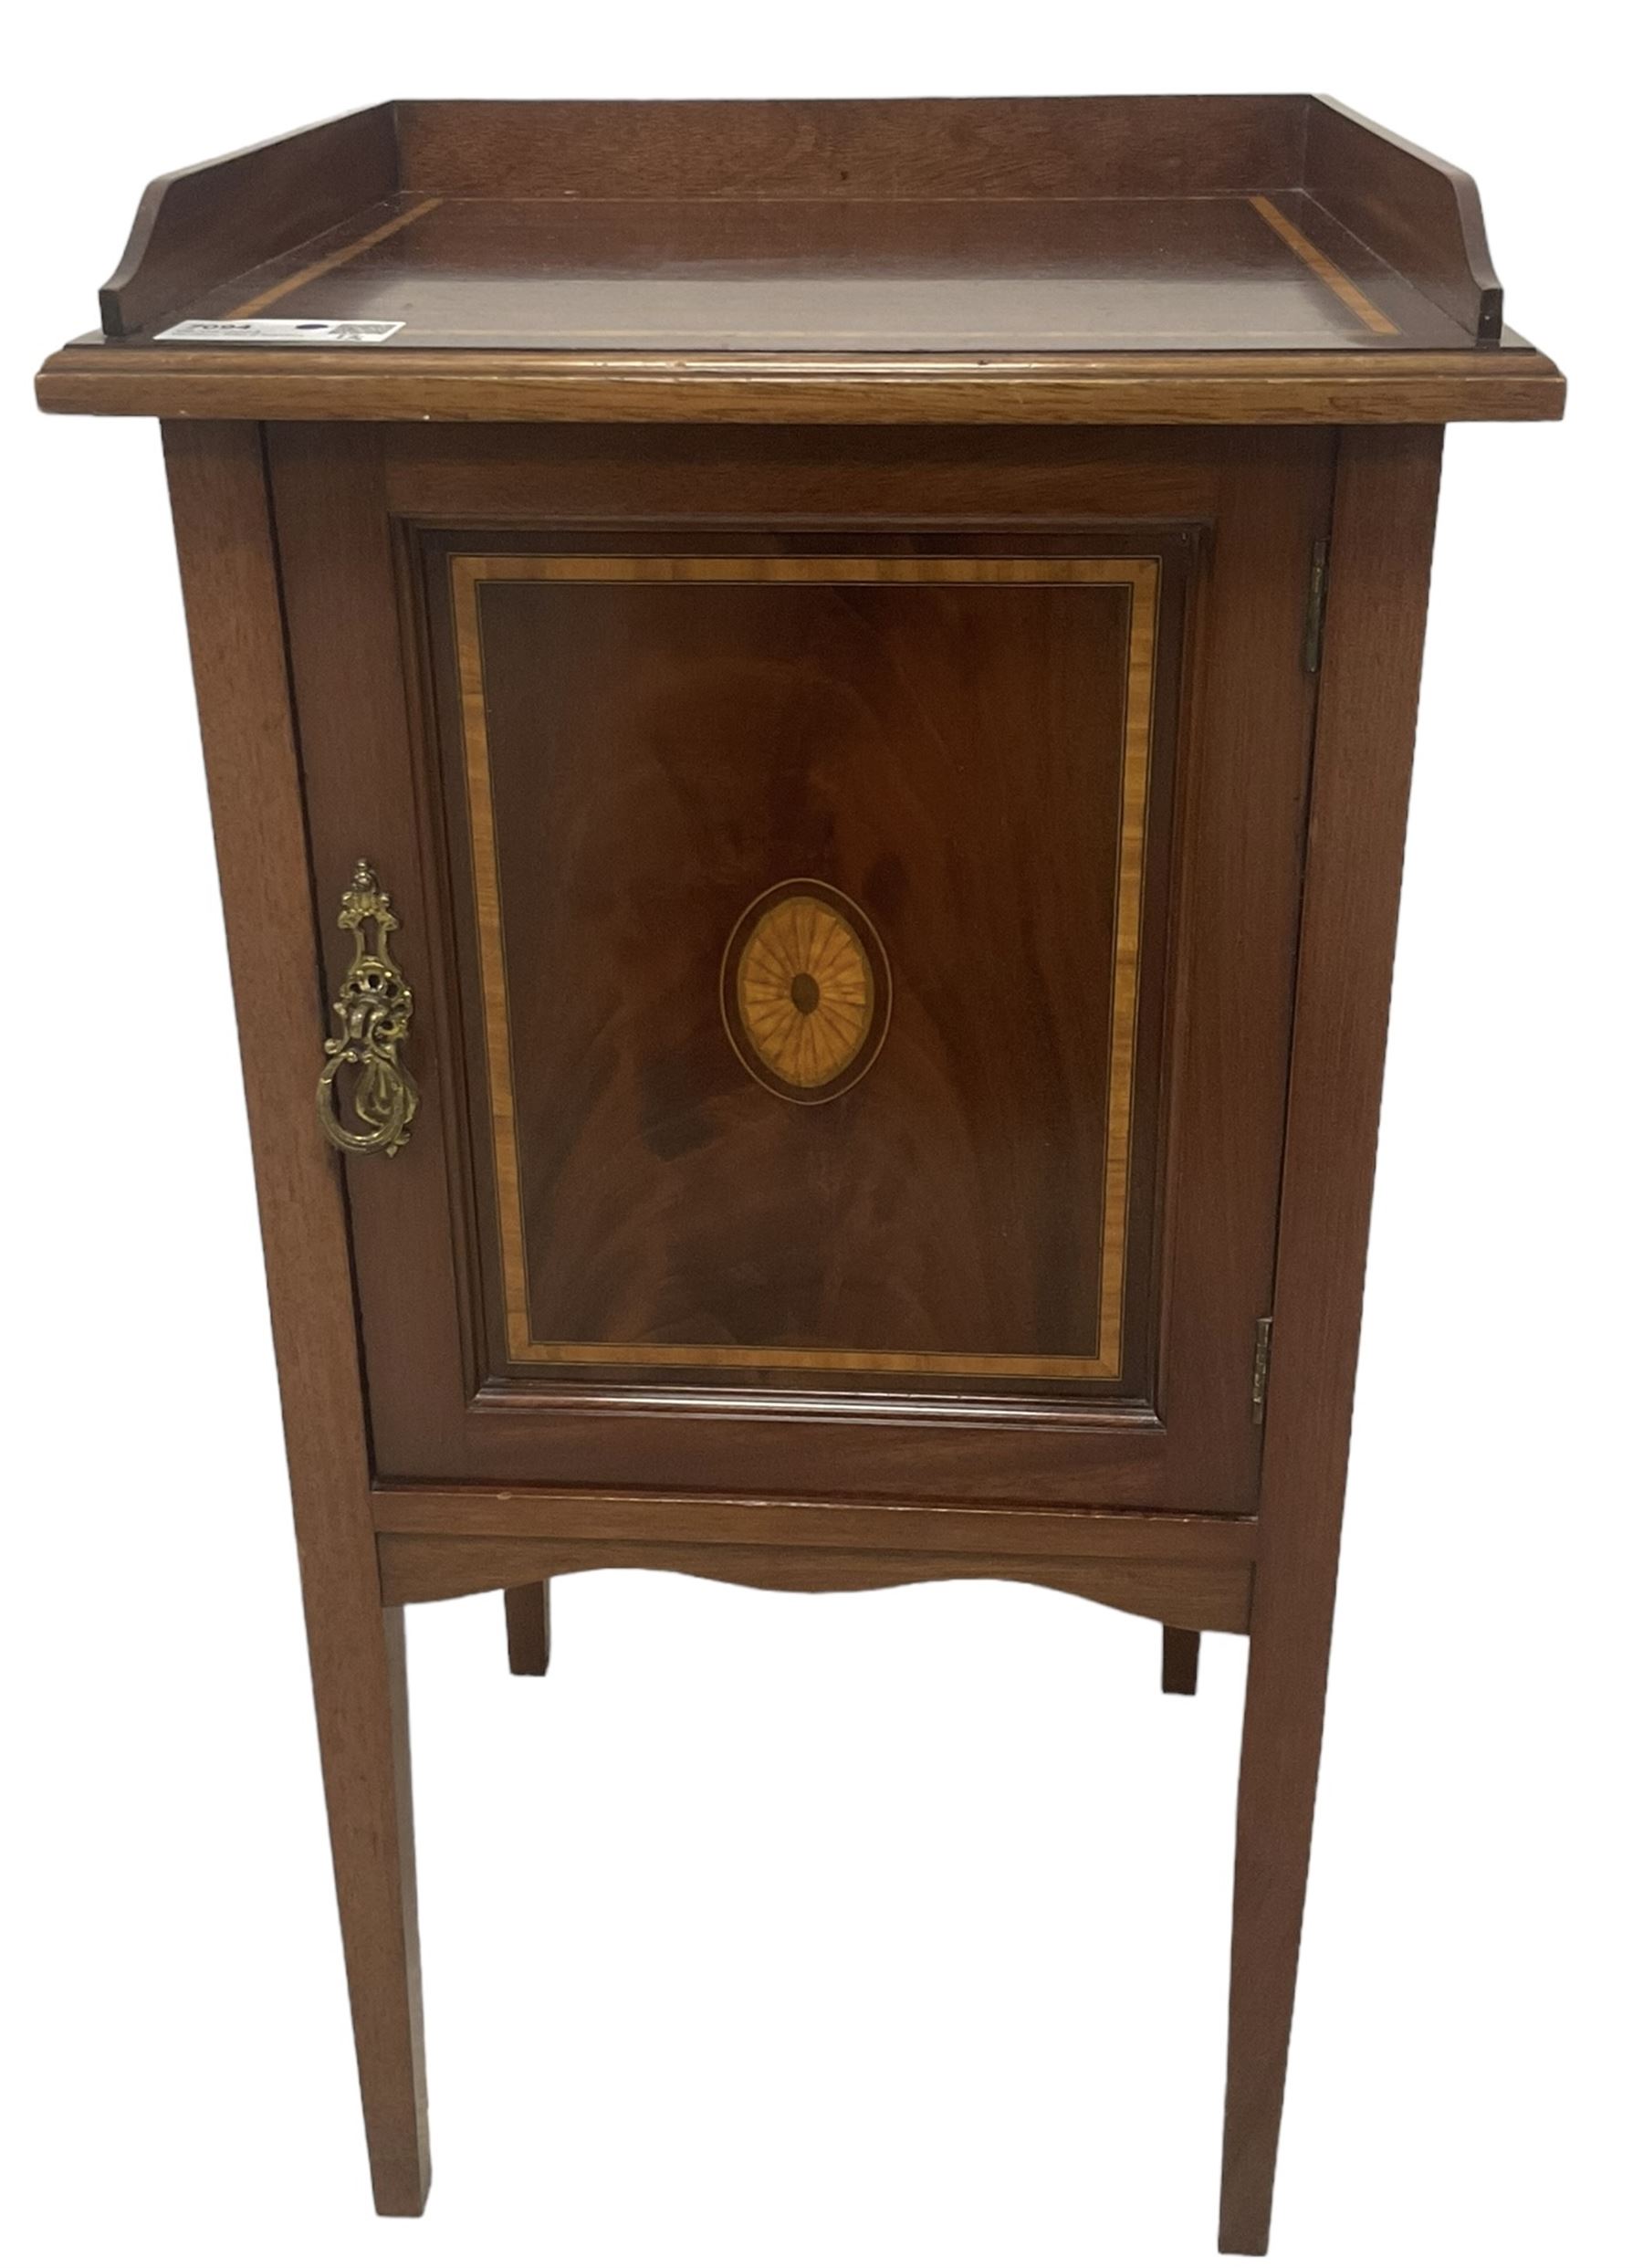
x=992 y=146
x=1422 y=214
x=446 y=1403
x=207 y=222
x=356 y=1642
x=848 y=275
x=1010 y=223
x=528 y=1609
x=1386 y=502
x=962 y=746
x=468 y=386
x=809 y=618
x=1180 y=1664
x=1188 y=1596
x=576 y=1516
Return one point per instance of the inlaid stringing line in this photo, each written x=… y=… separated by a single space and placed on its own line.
x=466 y=577
x=1127 y=950
x=338 y=259
x=1326 y=270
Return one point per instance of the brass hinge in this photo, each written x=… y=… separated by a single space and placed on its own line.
x=1317 y=591
x=1263 y=1363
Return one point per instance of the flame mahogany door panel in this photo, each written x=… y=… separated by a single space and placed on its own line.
x=850 y=893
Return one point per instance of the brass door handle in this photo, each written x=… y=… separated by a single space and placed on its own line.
x=373 y=1009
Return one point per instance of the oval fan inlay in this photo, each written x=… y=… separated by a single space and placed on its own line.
x=807 y=991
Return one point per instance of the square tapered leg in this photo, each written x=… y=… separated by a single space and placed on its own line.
x=528 y=1629
x=1180 y=1660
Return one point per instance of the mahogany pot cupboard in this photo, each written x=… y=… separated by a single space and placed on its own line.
x=808 y=708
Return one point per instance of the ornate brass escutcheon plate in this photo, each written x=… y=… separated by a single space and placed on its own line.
x=373 y=1011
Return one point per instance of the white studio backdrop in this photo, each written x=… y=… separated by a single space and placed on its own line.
x=874 y=1930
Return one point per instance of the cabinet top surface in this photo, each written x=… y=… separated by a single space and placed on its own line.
x=1250 y=258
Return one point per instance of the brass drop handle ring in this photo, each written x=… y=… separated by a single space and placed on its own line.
x=373 y=1009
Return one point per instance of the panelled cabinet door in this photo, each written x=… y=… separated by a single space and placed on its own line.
x=845 y=1066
